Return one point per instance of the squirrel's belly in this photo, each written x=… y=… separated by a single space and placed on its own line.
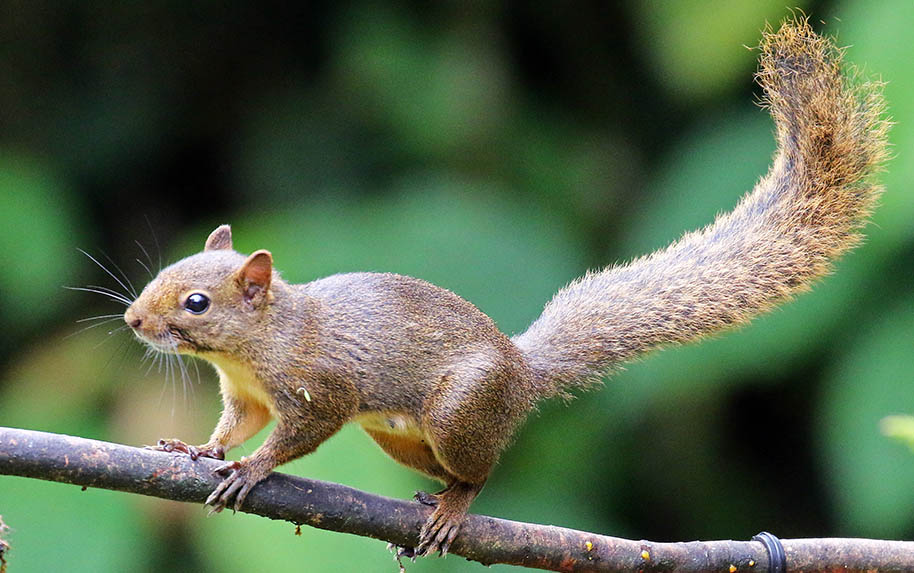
x=396 y=423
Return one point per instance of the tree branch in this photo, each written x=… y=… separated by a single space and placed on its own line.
x=488 y=540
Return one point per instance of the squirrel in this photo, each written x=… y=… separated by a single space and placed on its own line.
x=432 y=379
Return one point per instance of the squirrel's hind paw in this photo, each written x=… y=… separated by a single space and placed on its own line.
x=438 y=532
x=443 y=524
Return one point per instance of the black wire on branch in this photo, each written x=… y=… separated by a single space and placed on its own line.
x=336 y=507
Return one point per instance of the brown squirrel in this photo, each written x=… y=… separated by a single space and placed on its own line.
x=431 y=378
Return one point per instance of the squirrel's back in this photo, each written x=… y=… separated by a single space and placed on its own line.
x=401 y=333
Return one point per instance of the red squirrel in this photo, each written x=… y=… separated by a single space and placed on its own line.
x=431 y=378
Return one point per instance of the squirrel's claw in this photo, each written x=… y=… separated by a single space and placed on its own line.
x=425 y=498
x=442 y=526
x=438 y=533
x=235 y=486
x=175 y=445
x=214 y=452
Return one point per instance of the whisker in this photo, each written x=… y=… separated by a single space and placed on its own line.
x=104 y=268
x=119 y=352
x=184 y=377
x=116 y=298
x=164 y=382
x=148 y=258
x=170 y=373
x=142 y=264
x=111 y=291
x=155 y=240
x=100 y=317
x=118 y=329
x=158 y=359
x=152 y=363
x=132 y=289
x=107 y=338
x=81 y=330
x=160 y=367
x=193 y=391
x=100 y=290
x=197 y=369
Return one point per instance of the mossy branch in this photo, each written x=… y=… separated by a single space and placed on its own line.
x=335 y=507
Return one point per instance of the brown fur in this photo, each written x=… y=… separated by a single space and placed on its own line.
x=780 y=238
x=431 y=378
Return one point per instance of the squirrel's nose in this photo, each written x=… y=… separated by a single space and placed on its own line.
x=132 y=320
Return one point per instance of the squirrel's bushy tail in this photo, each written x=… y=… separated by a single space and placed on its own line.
x=806 y=211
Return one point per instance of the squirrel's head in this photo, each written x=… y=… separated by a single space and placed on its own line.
x=207 y=302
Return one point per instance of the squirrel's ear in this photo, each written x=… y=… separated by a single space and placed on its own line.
x=255 y=274
x=219 y=239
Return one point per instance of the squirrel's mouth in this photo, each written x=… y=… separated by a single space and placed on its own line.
x=162 y=343
x=181 y=340
x=172 y=340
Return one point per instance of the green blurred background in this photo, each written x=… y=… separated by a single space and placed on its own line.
x=498 y=149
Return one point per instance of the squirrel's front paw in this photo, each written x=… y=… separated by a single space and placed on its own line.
x=241 y=478
x=175 y=445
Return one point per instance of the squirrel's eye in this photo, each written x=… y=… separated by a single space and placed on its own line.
x=196 y=303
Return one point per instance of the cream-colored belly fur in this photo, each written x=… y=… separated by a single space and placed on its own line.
x=238 y=381
x=391 y=423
